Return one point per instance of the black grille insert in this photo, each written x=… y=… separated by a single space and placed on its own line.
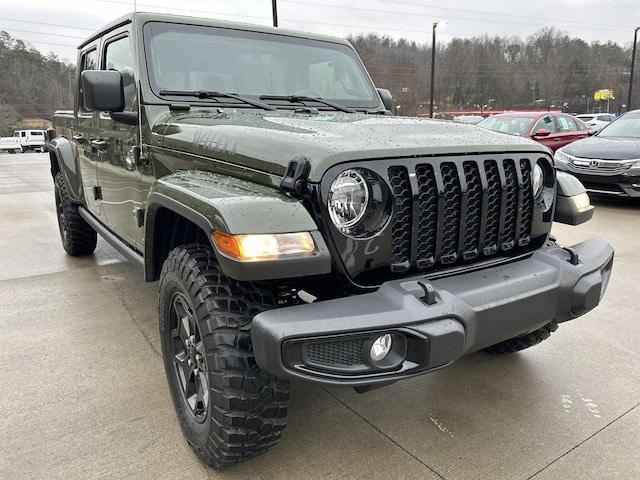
x=339 y=353
x=463 y=210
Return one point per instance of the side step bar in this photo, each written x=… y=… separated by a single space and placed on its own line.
x=113 y=240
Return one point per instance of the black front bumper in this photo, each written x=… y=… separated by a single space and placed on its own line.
x=433 y=322
x=623 y=184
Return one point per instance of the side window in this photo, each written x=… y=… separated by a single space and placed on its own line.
x=606 y=118
x=566 y=124
x=118 y=56
x=89 y=61
x=547 y=123
x=24 y=134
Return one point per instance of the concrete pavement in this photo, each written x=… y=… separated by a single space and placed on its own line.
x=83 y=392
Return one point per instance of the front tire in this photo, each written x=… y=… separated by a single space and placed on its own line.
x=525 y=341
x=228 y=408
x=78 y=238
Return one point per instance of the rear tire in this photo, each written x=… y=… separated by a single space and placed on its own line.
x=520 y=343
x=78 y=238
x=228 y=408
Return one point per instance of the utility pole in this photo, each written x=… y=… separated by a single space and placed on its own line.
x=433 y=68
x=274 y=9
x=633 y=66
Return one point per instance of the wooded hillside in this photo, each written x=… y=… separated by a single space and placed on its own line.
x=31 y=85
x=548 y=68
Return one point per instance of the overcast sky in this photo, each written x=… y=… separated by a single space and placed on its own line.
x=59 y=25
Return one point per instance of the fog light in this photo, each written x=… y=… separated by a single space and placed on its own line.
x=381 y=347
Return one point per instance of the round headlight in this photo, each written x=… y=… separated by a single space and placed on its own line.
x=537 y=179
x=348 y=199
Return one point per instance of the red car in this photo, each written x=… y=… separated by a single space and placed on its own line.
x=554 y=130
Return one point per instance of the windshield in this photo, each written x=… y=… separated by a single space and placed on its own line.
x=192 y=58
x=512 y=124
x=627 y=126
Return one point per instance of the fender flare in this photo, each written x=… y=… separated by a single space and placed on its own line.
x=206 y=202
x=63 y=156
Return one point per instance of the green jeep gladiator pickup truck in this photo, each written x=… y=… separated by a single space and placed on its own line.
x=296 y=229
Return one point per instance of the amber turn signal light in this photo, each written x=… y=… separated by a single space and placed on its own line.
x=256 y=247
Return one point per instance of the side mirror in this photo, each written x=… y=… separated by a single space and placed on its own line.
x=542 y=132
x=386 y=97
x=103 y=90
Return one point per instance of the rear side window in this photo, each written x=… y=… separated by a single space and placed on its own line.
x=566 y=124
x=119 y=57
x=88 y=61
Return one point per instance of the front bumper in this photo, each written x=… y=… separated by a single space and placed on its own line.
x=434 y=322
x=621 y=184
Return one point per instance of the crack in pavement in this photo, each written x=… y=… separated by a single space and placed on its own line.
x=585 y=440
x=428 y=467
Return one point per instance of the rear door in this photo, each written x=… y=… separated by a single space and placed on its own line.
x=119 y=175
x=569 y=130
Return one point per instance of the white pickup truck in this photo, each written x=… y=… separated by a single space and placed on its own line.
x=23 y=140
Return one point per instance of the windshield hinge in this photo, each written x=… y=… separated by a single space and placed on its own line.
x=295 y=176
x=141 y=156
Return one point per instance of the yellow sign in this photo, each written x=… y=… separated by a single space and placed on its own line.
x=605 y=94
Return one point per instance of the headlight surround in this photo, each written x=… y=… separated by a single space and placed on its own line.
x=537 y=180
x=359 y=203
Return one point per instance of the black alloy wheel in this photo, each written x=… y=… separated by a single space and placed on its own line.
x=189 y=357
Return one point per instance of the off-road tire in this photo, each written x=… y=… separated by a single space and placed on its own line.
x=520 y=343
x=78 y=238
x=247 y=407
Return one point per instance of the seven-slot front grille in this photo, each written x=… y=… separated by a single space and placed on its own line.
x=448 y=212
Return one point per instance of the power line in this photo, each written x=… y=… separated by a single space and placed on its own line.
x=44 y=33
x=485 y=12
x=47 y=24
x=483 y=20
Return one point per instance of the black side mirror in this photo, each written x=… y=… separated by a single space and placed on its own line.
x=103 y=90
x=386 y=97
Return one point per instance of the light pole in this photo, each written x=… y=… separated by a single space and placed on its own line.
x=433 y=67
x=274 y=10
x=633 y=66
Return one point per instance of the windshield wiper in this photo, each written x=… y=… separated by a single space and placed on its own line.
x=210 y=94
x=304 y=98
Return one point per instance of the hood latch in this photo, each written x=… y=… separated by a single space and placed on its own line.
x=295 y=176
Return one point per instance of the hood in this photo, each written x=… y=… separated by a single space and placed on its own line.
x=605 y=148
x=267 y=141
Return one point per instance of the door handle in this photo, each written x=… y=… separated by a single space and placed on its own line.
x=78 y=138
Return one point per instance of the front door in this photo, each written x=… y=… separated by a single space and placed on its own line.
x=84 y=129
x=546 y=123
x=118 y=171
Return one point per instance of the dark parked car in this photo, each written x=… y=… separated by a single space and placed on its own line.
x=555 y=130
x=609 y=162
